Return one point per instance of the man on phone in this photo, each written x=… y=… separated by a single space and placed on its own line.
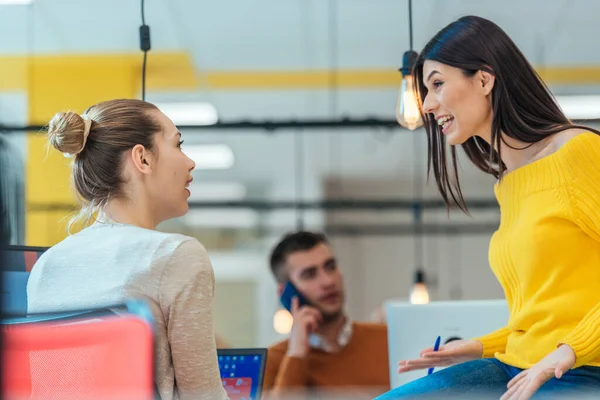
x=326 y=354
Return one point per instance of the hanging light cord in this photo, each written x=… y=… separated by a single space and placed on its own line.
x=335 y=141
x=418 y=187
x=144 y=46
x=410 y=25
x=418 y=208
x=409 y=57
x=299 y=178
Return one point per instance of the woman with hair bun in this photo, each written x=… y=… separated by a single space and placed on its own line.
x=130 y=174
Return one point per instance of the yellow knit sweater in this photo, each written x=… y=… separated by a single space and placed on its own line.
x=546 y=255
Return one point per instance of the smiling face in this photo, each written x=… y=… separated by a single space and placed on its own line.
x=461 y=104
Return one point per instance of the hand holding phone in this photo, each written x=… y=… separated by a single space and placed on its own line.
x=306 y=321
x=288 y=293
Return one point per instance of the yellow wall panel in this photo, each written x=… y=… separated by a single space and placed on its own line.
x=57 y=85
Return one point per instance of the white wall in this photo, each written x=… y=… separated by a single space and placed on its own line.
x=378 y=268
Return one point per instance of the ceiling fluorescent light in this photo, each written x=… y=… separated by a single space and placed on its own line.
x=210 y=156
x=15 y=2
x=580 y=106
x=188 y=113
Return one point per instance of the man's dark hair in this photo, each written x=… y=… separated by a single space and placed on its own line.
x=291 y=243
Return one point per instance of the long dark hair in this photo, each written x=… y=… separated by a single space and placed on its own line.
x=523 y=107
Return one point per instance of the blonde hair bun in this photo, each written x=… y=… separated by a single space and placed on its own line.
x=68 y=131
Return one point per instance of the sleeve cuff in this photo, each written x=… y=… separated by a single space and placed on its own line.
x=494 y=342
x=585 y=338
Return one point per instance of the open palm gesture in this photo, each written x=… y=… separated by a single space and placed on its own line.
x=455 y=352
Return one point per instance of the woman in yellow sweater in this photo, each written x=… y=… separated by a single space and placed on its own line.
x=477 y=90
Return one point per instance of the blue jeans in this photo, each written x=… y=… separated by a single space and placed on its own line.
x=487 y=379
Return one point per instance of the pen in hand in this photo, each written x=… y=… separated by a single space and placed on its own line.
x=436 y=347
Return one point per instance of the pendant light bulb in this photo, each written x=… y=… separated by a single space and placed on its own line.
x=283 y=321
x=419 y=293
x=407 y=111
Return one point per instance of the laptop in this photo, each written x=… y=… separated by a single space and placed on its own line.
x=17 y=264
x=242 y=372
x=412 y=328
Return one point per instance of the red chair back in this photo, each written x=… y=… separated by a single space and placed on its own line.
x=90 y=357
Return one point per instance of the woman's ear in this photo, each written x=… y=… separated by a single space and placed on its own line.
x=142 y=159
x=487 y=81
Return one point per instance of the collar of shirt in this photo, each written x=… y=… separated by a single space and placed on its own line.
x=317 y=342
